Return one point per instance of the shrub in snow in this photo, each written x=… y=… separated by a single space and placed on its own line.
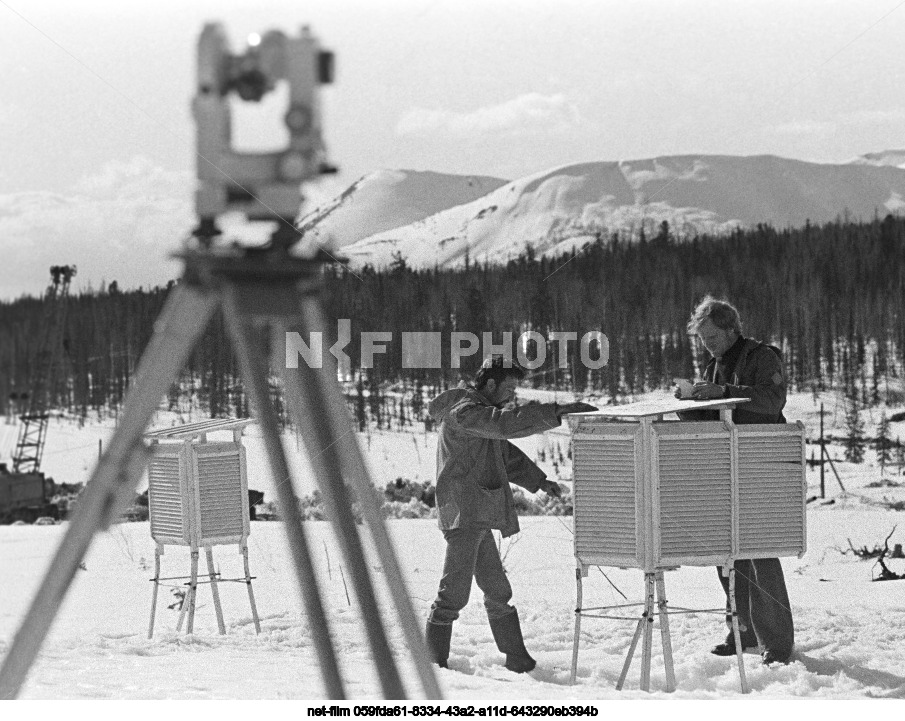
x=312 y=507
x=412 y=509
x=527 y=504
x=403 y=498
x=403 y=490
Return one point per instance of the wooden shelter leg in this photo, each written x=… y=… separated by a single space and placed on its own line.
x=578 y=597
x=664 y=633
x=631 y=652
x=648 y=630
x=251 y=593
x=215 y=592
x=182 y=609
x=735 y=629
x=154 y=592
x=193 y=593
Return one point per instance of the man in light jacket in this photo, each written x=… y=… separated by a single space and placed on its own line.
x=475 y=465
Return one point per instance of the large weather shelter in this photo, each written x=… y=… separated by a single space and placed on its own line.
x=198 y=497
x=657 y=494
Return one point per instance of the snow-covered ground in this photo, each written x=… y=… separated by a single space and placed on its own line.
x=850 y=631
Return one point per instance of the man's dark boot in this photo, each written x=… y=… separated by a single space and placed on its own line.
x=727 y=647
x=507 y=632
x=438 y=638
x=772 y=656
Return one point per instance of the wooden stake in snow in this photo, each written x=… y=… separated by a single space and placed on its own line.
x=345 y=587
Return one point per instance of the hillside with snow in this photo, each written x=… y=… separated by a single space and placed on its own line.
x=387 y=199
x=558 y=209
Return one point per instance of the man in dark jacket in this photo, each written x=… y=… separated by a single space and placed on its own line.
x=475 y=465
x=745 y=368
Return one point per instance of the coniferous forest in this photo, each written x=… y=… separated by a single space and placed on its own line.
x=831 y=297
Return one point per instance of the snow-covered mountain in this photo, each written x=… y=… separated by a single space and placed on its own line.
x=389 y=199
x=557 y=209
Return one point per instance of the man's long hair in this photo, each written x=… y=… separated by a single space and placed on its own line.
x=722 y=313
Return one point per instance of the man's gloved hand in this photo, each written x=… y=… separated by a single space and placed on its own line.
x=551 y=488
x=567 y=408
x=704 y=391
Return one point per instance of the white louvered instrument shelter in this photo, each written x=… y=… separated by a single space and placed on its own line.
x=198 y=490
x=198 y=497
x=651 y=493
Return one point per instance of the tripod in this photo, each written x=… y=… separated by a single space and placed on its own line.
x=256 y=289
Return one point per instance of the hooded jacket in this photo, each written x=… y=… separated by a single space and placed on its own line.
x=475 y=462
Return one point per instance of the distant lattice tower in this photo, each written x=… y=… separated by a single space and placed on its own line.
x=198 y=497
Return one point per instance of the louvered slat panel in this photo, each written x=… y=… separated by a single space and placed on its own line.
x=604 y=496
x=165 y=497
x=771 y=487
x=220 y=493
x=695 y=496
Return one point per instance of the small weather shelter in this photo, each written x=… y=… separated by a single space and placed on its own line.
x=198 y=497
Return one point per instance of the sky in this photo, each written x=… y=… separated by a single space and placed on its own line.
x=97 y=141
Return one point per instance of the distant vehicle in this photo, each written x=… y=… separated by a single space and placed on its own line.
x=22 y=497
x=45 y=521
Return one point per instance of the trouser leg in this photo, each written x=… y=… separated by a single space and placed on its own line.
x=763 y=605
x=771 y=614
x=491 y=579
x=504 y=621
x=462 y=546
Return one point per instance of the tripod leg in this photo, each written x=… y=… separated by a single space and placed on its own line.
x=154 y=592
x=193 y=593
x=254 y=373
x=110 y=489
x=578 y=589
x=312 y=411
x=349 y=454
x=215 y=592
x=251 y=593
x=664 y=633
x=648 y=630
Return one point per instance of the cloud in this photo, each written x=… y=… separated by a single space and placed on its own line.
x=873 y=117
x=121 y=223
x=816 y=128
x=138 y=178
x=527 y=113
x=828 y=128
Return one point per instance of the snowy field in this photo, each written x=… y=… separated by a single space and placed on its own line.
x=850 y=631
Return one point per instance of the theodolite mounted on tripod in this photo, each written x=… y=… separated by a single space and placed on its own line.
x=257 y=289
